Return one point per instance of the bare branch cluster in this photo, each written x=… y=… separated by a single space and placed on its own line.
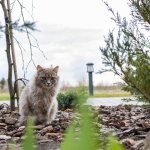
x=20 y=25
x=26 y=27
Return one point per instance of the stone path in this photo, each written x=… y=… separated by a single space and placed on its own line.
x=108 y=101
x=111 y=101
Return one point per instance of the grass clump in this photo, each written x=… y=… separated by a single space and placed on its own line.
x=29 y=140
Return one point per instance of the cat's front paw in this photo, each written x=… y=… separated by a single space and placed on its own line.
x=19 y=123
x=22 y=121
x=48 y=122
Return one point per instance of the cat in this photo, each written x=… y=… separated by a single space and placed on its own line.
x=39 y=96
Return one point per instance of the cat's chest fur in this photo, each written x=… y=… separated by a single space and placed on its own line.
x=40 y=100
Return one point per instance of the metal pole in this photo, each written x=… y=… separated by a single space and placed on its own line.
x=90 y=84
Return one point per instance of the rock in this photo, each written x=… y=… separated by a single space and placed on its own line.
x=69 y=110
x=147 y=142
x=64 y=125
x=55 y=122
x=2 y=120
x=146 y=125
x=18 y=134
x=123 y=123
x=57 y=128
x=138 y=145
x=3 y=131
x=5 y=137
x=65 y=114
x=54 y=136
x=21 y=128
x=128 y=141
x=105 y=111
x=48 y=145
x=16 y=139
x=11 y=132
x=2 y=124
x=46 y=130
x=10 y=120
x=39 y=137
x=38 y=127
x=1 y=113
x=4 y=147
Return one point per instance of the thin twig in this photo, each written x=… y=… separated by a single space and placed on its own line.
x=22 y=57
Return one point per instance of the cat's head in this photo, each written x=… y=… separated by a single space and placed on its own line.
x=47 y=77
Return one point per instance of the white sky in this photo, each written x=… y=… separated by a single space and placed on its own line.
x=71 y=32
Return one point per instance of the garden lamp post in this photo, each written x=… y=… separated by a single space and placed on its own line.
x=90 y=70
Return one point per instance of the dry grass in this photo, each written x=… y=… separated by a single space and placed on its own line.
x=99 y=91
x=110 y=91
x=4 y=96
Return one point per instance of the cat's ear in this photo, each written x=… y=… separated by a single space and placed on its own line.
x=56 y=69
x=39 y=68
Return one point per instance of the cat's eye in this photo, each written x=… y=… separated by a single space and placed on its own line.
x=43 y=78
x=52 y=78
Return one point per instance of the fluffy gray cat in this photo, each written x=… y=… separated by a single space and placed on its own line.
x=39 y=96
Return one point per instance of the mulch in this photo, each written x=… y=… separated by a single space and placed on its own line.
x=130 y=124
x=127 y=122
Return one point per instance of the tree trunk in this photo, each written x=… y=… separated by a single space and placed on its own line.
x=16 y=88
x=9 y=57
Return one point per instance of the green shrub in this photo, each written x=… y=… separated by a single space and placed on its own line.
x=67 y=99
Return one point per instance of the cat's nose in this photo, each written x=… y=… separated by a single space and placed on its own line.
x=48 y=83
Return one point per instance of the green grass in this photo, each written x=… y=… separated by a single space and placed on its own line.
x=4 y=96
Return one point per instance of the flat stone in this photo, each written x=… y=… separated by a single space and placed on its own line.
x=5 y=137
x=4 y=147
x=47 y=129
x=10 y=120
x=48 y=145
x=65 y=114
x=2 y=120
x=38 y=127
x=21 y=128
x=18 y=134
x=2 y=124
x=53 y=135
